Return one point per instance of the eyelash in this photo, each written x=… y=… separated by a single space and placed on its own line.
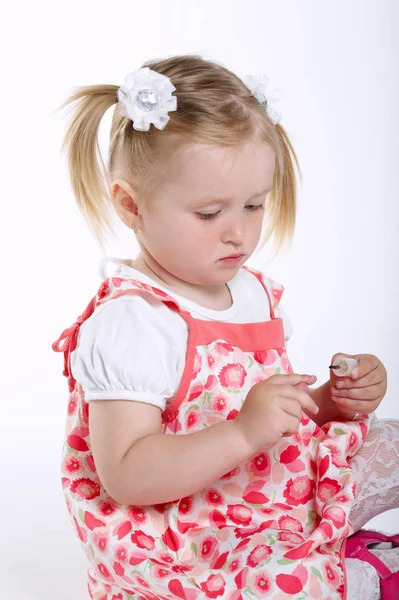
x=210 y=216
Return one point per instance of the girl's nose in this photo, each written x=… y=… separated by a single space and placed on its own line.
x=233 y=232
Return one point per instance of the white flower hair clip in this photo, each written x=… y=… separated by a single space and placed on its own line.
x=257 y=84
x=146 y=97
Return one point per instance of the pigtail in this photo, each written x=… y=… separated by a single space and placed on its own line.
x=281 y=204
x=87 y=171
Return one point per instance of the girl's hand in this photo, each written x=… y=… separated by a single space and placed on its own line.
x=273 y=409
x=363 y=390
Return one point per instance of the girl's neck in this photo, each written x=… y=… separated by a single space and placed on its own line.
x=216 y=297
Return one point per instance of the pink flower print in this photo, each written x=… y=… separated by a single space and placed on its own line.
x=72 y=404
x=142 y=540
x=71 y=464
x=327 y=488
x=195 y=391
x=208 y=547
x=232 y=376
x=259 y=555
x=241 y=578
x=263 y=582
x=161 y=573
x=231 y=473
x=336 y=459
x=336 y=514
x=290 y=537
x=116 y=597
x=192 y=418
x=197 y=365
x=290 y=454
x=285 y=364
x=299 y=491
x=213 y=586
x=211 y=382
x=260 y=465
x=330 y=575
x=214 y=497
x=85 y=412
x=142 y=582
x=232 y=415
x=137 y=515
x=223 y=348
x=186 y=505
x=363 y=429
x=240 y=532
x=220 y=403
x=265 y=357
x=306 y=437
x=82 y=533
x=121 y=553
x=172 y=540
x=104 y=572
x=343 y=499
x=90 y=463
x=173 y=423
x=85 y=488
x=101 y=540
x=235 y=596
x=92 y=522
x=182 y=568
x=326 y=530
x=289 y=523
x=213 y=359
x=122 y=528
x=289 y=583
x=240 y=514
x=353 y=441
x=233 y=565
x=107 y=508
x=166 y=558
x=323 y=465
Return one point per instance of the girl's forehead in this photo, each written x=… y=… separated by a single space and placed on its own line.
x=203 y=162
x=200 y=172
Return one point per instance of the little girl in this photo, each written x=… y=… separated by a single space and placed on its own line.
x=196 y=464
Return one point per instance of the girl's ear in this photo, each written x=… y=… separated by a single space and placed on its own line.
x=124 y=201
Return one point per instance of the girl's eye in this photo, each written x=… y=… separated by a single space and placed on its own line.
x=209 y=216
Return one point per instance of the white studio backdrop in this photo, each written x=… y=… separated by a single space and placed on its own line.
x=337 y=66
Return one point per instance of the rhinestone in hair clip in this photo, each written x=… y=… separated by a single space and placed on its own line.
x=146 y=97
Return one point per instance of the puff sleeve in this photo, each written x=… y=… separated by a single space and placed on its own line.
x=280 y=312
x=125 y=352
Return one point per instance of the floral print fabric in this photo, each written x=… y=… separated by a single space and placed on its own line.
x=273 y=527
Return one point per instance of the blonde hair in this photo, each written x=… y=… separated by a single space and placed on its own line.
x=214 y=106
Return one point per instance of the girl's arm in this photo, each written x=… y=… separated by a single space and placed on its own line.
x=137 y=464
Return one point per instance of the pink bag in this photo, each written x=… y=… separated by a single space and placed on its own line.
x=357 y=547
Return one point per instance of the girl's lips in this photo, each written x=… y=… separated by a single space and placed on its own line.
x=232 y=256
x=232 y=261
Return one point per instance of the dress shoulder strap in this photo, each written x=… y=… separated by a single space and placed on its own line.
x=274 y=290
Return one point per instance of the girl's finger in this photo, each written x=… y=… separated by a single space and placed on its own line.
x=367 y=363
x=358 y=406
x=367 y=393
x=375 y=377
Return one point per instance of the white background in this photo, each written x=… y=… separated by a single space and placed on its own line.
x=337 y=66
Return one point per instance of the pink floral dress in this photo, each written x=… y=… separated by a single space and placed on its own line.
x=274 y=527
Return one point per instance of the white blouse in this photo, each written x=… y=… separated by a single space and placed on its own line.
x=134 y=347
